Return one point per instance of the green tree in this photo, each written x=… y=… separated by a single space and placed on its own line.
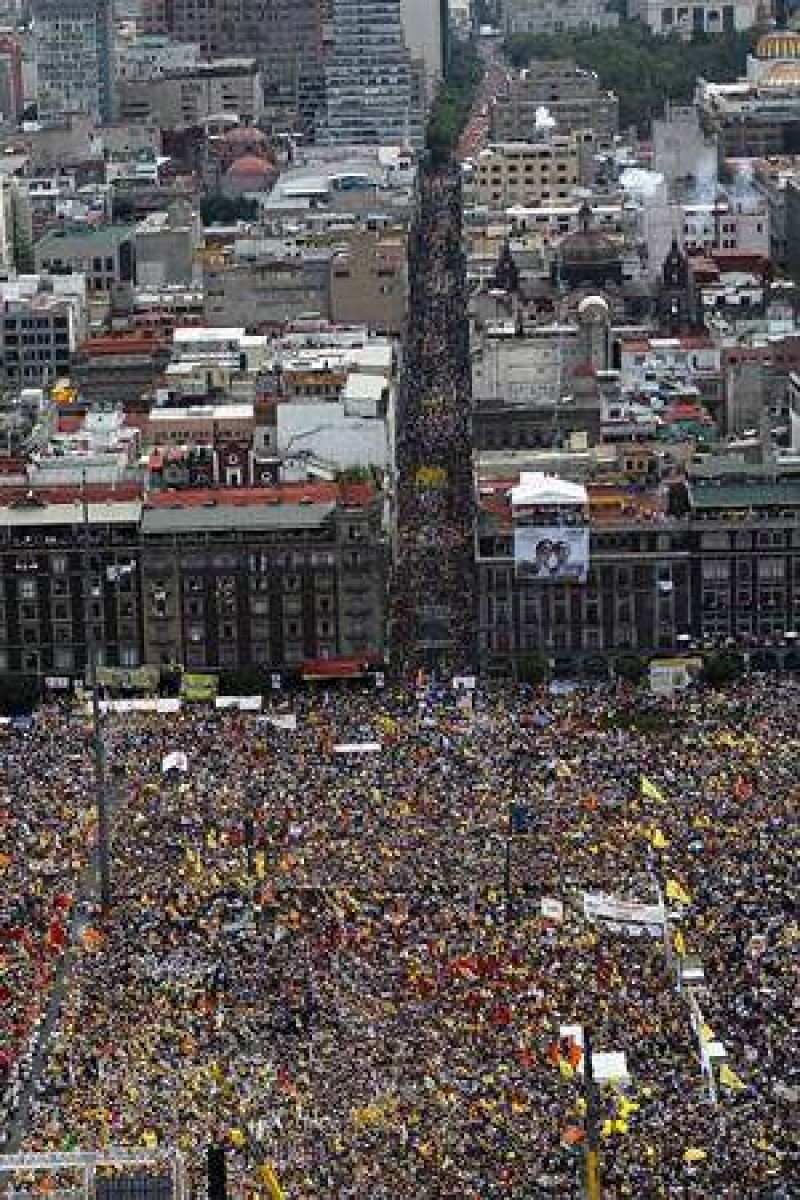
x=218 y=209
x=19 y=694
x=454 y=102
x=643 y=69
x=723 y=667
x=533 y=668
x=630 y=667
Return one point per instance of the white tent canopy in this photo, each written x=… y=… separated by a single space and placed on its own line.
x=536 y=488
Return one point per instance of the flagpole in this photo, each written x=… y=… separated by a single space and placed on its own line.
x=592 y=1140
x=101 y=798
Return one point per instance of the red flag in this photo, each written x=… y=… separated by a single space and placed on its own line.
x=56 y=934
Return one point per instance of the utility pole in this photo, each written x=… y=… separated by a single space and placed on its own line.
x=101 y=795
x=592 y=1140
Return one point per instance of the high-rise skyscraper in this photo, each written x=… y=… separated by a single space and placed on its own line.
x=425 y=26
x=373 y=94
x=74 y=44
x=286 y=36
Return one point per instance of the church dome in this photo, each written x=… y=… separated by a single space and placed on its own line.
x=588 y=246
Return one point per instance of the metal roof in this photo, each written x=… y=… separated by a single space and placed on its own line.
x=228 y=517
x=103 y=513
x=743 y=495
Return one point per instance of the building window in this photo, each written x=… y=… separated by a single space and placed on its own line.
x=63 y=659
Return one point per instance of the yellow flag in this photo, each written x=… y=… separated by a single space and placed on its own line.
x=694 y=1154
x=680 y=944
x=677 y=893
x=657 y=840
x=626 y=1107
x=261 y=864
x=566 y=1068
x=707 y=1033
x=237 y=1138
x=649 y=789
x=270 y=1181
x=729 y=1079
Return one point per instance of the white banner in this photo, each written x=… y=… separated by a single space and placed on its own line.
x=285 y=721
x=166 y=705
x=357 y=748
x=243 y=703
x=598 y=907
x=552 y=909
x=176 y=760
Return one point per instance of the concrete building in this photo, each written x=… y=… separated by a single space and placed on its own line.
x=530 y=174
x=265 y=578
x=555 y=16
x=119 y=368
x=148 y=56
x=16 y=225
x=425 y=24
x=65 y=600
x=44 y=319
x=287 y=38
x=688 y=20
x=104 y=255
x=12 y=98
x=793 y=227
x=683 y=154
x=724 y=573
x=373 y=93
x=74 y=44
x=369 y=282
x=569 y=96
x=266 y=282
x=190 y=96
x=758 y=116
x=771 y=178
x=165 y=247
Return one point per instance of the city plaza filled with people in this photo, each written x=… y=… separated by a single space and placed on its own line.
x=350 y=935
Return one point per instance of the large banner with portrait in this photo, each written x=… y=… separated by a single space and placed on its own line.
x=552 y=553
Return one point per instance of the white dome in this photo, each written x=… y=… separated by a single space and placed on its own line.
x=593 y=310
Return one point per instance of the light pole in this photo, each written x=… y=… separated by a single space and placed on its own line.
x=592 y=1140
x=101 y=793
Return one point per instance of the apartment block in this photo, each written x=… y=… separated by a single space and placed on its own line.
x=531 y=174
x=74 y=48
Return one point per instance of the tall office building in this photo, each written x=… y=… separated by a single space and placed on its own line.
x=74 y=44
x=287 y=37
x=373 y=93
x=425 y=26
x=12 y=98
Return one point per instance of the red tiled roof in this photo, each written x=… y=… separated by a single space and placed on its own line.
x=68 y=493
x=350 y=494
x=71 y=422
x=143 y=342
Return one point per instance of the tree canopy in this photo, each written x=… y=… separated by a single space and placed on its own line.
x=452 y=106
x=643 y=69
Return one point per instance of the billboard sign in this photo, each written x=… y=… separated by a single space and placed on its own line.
x=552 y=553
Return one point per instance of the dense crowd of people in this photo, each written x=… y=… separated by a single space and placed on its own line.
x=433 y=590
x=352 y=938
x=45 y=826
x=312 y=958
